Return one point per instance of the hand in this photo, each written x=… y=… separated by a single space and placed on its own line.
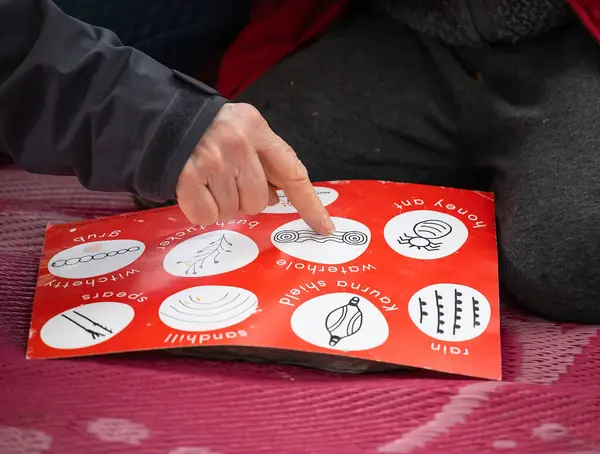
x=236 y=167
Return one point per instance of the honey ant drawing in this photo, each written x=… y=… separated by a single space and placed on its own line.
x=450 y=312
x=210 y=254
x=425 y=234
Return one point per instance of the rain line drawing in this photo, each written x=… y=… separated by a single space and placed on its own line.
x=440 y=312
x=457 y=311
x=476 y=321
x=452 y=308
x=422 y=312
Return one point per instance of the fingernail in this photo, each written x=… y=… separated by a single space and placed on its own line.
x=328 y=224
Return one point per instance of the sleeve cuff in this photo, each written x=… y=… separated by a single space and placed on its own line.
x=186 y=119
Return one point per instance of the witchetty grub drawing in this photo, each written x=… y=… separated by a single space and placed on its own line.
x=95 y=258
x=351 y=238
x=212 y=251
x=89 y=257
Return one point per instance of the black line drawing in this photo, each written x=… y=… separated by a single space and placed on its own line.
x=422 y=312
x=207 y=306
x=210 y=302
x=220 y=313
x=440 y=313
x=214 y=250
x=425 y=232
x=344 y=321
x=351 y=238
x=93 y=322
x=91 y=332
x=457 y=311
x=88 y=258
x=476 y=321
x=250 y=308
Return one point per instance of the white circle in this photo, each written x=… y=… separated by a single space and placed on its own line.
x=340 y=321
x=95 y=258
x=350 y=240
x=207 y=308
x=211 y=253
x=450 y=312
x=327 y=196
x=425 y=234
x=86 y=325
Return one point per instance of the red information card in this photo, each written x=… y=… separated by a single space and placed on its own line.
x=409 y=278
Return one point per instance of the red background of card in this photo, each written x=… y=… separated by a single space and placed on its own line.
x=370 y=202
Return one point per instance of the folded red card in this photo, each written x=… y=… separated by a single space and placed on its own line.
x=409 y=278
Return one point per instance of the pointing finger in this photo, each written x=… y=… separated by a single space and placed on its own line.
x=284 y=170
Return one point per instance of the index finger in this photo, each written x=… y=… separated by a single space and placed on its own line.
x=285 y=171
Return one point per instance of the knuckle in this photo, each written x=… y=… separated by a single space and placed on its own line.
x=238 y=144
x=256 y=205
x=247 y=111
x=230 y=138
x=226 y=216
x=212 y=161
x=298 y=172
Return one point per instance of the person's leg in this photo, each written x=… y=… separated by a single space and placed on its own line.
x=537 y=118
x=365 y=102
x=178 y=33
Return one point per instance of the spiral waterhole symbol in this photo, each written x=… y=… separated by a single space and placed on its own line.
x=355 y=238
x=351 y=238
x=287 y=236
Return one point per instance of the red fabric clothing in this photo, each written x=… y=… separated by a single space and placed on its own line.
x=276 y=29
x=589 y=12
x=279 y=27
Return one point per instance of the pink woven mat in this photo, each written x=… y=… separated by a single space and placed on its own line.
x=157 y=403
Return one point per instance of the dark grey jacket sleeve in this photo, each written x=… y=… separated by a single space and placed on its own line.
x=74 y=100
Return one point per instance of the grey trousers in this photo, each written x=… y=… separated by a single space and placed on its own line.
x=374 y=100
